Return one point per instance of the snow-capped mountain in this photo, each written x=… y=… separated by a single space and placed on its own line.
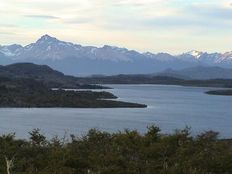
x=225 y=58
x=195 y=54
x=50 y=48
x=10 y=50
x=77 y=59
x=202 y=58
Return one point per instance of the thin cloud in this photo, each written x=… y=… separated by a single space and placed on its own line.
x=138 y=2
x=79 y=20
x=7 y=33
x=211 y=12
x=42 y=16
x=8 y=25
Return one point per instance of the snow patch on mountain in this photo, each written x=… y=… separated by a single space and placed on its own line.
x=225 y=57
x=194 y=53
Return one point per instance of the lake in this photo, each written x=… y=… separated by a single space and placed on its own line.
x=170 y=107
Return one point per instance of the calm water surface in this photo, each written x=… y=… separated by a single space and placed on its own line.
x=170 y=107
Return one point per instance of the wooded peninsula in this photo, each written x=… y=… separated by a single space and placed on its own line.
x=31 y=93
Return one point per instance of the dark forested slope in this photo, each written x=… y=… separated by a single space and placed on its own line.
x=151 y=79
x=43 y=73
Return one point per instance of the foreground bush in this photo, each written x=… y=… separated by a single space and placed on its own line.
x=127 y=152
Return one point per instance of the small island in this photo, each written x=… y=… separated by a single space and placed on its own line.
x=227 y=92
x=28 y=93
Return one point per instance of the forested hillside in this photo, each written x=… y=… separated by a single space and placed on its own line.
x=44 y=74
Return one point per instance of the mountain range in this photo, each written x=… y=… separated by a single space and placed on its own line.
x=75 y=59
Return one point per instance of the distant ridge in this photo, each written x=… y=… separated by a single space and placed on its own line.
x=199 y=72
x=75 y=59
x=55 y=79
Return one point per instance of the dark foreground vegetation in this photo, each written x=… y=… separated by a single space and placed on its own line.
x=220 y=92
x=127 y=152
x=31 y=93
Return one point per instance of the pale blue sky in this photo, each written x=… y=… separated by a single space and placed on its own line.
x=172 y=26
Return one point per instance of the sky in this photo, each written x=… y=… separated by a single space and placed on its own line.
x=172 y=26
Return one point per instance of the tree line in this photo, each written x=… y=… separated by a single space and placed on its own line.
x=123 y=152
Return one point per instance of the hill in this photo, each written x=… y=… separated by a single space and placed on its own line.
x=43 y=73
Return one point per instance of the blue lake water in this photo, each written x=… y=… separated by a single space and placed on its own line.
x=170 y=107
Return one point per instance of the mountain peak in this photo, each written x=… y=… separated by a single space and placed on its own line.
x=47 y=38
